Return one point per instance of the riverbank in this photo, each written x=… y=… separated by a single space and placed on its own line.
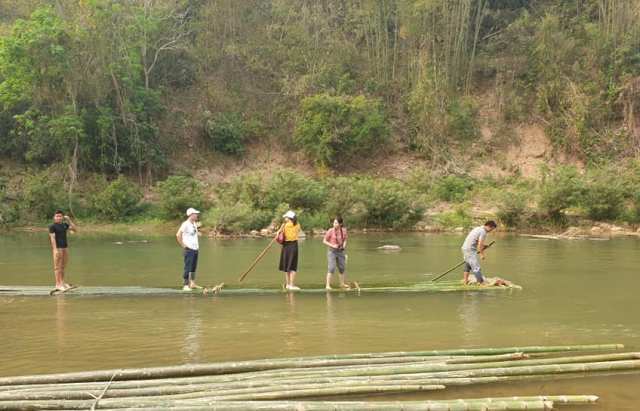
x=595 y=230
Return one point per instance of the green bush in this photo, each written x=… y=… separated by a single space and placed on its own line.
x=226 y=133
x=42 y=194
x=343 y=199
x=633 y=214
x=118 y=199
x=177 y=193
x=388 y=203
x=300 y=192
x=238 y=217
x=317 y=220
x=421 y=180
x=452 y=188
x=8 y=210
x=459 y=217
x=461 y=119
x=560 y=189
x=331 y=129
x=247 y=188
x=603 y=196
x=512 y=208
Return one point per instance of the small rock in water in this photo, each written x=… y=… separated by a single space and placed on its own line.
x=389 y=247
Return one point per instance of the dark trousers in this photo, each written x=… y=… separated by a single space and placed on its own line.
x=190 y=265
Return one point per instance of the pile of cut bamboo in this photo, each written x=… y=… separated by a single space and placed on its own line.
x=293 y=383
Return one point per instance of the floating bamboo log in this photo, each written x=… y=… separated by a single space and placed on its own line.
x=448 y=286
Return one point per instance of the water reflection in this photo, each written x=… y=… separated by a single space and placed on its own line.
x=290 y=332
x=469 y=315
x=191 y=348
x=331 y=318
x=61 y=323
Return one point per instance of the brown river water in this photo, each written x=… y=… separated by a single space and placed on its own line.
x=574 y=292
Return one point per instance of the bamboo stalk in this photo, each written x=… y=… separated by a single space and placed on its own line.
x=459 y=405
x=434 y=375
x=248 y=366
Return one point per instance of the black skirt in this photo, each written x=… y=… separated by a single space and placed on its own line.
x=289 y=256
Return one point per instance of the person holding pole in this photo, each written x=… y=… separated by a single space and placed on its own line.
x=289 y=253
x=336 y=240
x=473 y=246
x=187 y=237
x=59 y=246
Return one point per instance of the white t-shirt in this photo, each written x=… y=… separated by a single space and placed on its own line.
x=471 y=242
x=189 y=235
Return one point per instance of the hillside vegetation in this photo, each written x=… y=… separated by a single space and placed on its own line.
x=390 y=112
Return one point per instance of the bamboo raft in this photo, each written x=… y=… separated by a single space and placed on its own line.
x=221 y=289
x=324 y=383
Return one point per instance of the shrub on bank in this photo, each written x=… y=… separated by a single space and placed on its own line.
x=459 y=217
x=560 y=189
x=388 y=203
x=295 y=189
x=42 y=194
x=603 y=195
x=236 y=218
x=452 y=188
x=512 y=207
x=118 y=199
x=177 y=193
x=8 y=209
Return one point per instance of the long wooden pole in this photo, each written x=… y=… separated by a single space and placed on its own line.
x=273 y=240
x=458 y=265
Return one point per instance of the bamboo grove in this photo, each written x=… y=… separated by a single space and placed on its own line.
x=98 y=84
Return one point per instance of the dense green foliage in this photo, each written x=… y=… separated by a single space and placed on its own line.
x=333 y=129
x=93 y=81
x=227 y=133
x=140 y=88
x=118 y=200
x=177 y=193
x=42 y=194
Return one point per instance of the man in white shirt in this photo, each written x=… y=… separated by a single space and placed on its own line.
x=187 y=237
x=474 y=246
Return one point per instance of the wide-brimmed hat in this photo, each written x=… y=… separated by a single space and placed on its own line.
x=289 y=214
x=192 y=210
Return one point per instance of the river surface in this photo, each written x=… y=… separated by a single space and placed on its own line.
x=574 y=292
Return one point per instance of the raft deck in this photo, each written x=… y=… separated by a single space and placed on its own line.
x=427 y=287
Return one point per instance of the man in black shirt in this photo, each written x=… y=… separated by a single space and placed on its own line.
x=58 y=237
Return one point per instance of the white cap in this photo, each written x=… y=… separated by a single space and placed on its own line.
x=289 y=214
x=192 y=210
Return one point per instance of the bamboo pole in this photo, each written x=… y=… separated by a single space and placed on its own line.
x=431 y=374
x=302 y=406
x=261 y=365
x=258 y=258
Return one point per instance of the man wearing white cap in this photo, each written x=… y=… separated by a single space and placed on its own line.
x=187 y=237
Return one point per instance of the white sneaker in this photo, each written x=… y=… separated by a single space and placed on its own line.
x=293 y=287
x=186 y=288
